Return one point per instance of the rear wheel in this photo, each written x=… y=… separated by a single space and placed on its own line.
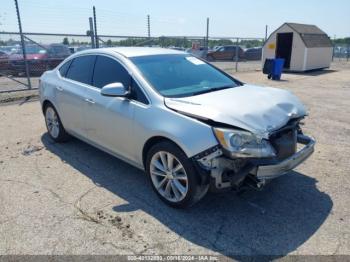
x=54 y=125
x=173 y=176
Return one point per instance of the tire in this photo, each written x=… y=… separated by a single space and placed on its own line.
x=179 y=187
x=54 y=125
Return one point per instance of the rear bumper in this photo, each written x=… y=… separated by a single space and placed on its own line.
x=283 y=167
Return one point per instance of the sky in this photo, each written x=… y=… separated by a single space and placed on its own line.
x=228 y=18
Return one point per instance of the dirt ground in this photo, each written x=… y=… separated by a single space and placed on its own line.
x=74 y=199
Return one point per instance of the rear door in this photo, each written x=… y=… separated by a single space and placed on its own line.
x=71 y=91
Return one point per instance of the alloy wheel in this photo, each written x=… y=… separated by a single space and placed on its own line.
x=52 y=122
x=169 y=176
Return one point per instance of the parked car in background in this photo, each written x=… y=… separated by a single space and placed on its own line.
x=9 y=49
x=176 y=48
x=227 y=52
x=4 y=59
x=253 y=53
x=341 y=51
x=186 y=123
x=73 y=49
x=201 y=52
x=216 y=47
x=82 y=48
x=3 y=54
x=40 y=58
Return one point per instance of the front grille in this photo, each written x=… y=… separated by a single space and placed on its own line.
x=284 y=142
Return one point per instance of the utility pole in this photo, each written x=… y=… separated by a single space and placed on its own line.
x=333 y=48
x=91 y=33
x=266 y=28
x=207 y=39
x=23 y=45
x=237 y=54
x=149 y=26
x=95 y=27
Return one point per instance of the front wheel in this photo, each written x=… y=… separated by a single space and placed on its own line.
x=173 y=176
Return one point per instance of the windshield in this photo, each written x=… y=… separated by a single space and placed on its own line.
x=33 y=49
x=181 y=75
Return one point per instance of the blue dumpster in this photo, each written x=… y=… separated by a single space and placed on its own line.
x=273 y=68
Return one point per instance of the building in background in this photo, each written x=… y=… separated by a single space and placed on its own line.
x=303 y=47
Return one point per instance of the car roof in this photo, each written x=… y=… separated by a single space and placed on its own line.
x=134 y=51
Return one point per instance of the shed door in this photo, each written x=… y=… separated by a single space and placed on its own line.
x=284 y=47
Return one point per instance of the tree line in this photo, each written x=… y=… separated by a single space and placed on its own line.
x=167 y=42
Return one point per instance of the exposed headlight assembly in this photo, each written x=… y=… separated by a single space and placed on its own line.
x=243 y=144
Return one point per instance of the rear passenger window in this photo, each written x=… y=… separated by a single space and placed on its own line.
x=107 y=71
x=64 y=68
x=81 y=69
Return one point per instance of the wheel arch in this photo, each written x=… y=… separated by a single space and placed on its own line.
x=46 y=103
x=202 y=176
x=155 y=140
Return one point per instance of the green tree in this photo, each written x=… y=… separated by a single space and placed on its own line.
x=65 y=41
x=341 y=41
x=109 y=42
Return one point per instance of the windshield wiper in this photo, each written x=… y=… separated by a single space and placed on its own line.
x=211 y=90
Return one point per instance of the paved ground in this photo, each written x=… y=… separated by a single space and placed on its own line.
x=16 y=83
x=74 y=199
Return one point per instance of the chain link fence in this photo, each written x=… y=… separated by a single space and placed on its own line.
x=44 y=51
x=341 y=52
x=25 y=56
x=21 y=70
x=236 y=54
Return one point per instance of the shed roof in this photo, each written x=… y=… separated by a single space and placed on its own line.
x=311 y=35
x=306 y=29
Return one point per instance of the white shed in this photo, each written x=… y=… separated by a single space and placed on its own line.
x=304 y=47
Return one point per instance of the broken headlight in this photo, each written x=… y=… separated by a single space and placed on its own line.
x=240 y=143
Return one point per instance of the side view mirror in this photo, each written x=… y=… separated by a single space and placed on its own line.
x=115 y=90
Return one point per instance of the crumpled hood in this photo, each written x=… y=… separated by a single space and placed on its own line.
x=259 y=110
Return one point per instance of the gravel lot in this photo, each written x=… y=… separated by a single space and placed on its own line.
x=74 y=199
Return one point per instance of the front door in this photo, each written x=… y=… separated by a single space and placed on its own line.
x=284 y=47
x=109 y=120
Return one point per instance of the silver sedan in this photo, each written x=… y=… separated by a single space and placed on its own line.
x=189 y=125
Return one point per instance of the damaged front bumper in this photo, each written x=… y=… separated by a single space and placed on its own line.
x=227 y=172
x=283 y=167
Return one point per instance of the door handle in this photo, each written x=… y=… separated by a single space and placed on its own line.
x=89 y=101
x=59 y=88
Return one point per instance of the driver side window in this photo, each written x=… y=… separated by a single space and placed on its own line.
x=108 y=70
